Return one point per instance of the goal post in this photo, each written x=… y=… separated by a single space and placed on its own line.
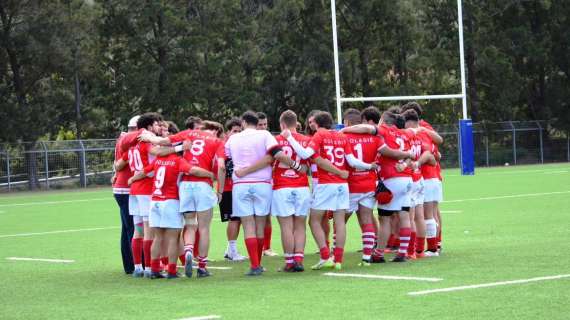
x=467 y=160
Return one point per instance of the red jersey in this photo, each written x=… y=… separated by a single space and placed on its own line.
x=417 y=148
x=437 y=172
x=365 y=148
x=283 y=176
x=167 y=171
x=428 y=171
x=206 y=149
x=395 y=139
x=121 y=185
x=334 y=146
x=139 y=158
x=129 y=140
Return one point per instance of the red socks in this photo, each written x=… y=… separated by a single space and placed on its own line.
x=420 y=244
x=412 y=245
x=155 y=265
x=172 y=269
x=146 y=251
x=391 y=241
x=251 y=245
x=202 y=262
x=267 y=237
x=298 y=257
x=289 y=261
x=325 y=253
x=197 y=245
x=405 y=234
x=338 y=253
x=432 y=244
x=367 y=240
x=137 y=246
x=260 y=244
x=182 y=259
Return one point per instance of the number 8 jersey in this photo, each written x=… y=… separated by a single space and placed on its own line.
x=332 y=146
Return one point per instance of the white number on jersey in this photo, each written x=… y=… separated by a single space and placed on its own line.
x=335 y=155
x=135 y=161
x=197 y=147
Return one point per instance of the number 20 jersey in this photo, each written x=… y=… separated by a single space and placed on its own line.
x=283 y=176
x=139 y=157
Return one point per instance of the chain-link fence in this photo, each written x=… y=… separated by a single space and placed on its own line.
x=82 y=163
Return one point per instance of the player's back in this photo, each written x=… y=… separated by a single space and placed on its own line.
x=394 y=138
x=167 y=171
x=246 y=148
x=365 y=148
x=283 y=175
x=205 y=148
x=140 y=157
x=333 y=146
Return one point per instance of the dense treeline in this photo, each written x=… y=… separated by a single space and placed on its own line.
x=97 y=63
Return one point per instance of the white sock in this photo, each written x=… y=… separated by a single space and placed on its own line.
x=232 y=247
x=431 y=228
x=138 y=267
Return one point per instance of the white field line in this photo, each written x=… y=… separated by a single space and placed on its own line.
x=213 y=268
x=553 y=172
x=203 y=317
x=54 y=232
x=373 y=276
x=51 y=202
x=40 y=259
x=487 y=285
x=524 y=195
x=558 y=170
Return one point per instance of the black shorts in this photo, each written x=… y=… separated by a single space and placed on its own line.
x=388 y=213
x=226 y=207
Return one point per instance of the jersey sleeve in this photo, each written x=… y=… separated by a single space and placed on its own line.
x=183 y=165
x=149 y=168
x=179 y=137
x=220 y=151
x=315 y=144
x=129 y=140
x=227 y=149
x=347 y=145
x=270 y=141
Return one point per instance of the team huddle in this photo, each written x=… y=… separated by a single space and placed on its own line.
x=174 y=179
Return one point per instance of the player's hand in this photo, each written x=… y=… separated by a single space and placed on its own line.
x=113 y=179
x=130 y=181
x=400 y=166
x=186 y=145
x=415 y=165
x=146 y=136
x=219 y=194
x=286 y=133
x=373 y=166
x=343 y=174
x=304 y=168
x=240 y=173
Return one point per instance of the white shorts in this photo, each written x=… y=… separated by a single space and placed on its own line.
x=196 y=196
x=250 y=199
x=364 y=199
x=401 y=189
x=139 y=205
x=433 y=190
x=286 y=202
x=331 y=196
x=418 y=193
x=166 y=214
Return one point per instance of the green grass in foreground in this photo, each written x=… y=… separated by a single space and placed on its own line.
x=485 y=240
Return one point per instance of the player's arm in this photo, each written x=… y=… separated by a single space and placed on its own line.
x=326 y=165
x=426 y=158
x=302 y=152
x=137 y=176
x=258 y=165
x=161 y=151
x=221 y=175
x=435 y=137
x=360 y=128
x=199 y=172
x=359 y=164
x=130 y=139
x=154 y=139
x=386 y=151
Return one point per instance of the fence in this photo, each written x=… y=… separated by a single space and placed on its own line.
x=82 y=163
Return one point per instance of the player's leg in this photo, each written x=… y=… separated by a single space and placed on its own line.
x=127 y=230
x=439 y=226
x=412 y=243
x=405 y=235
x=144 y=202
x=300 y=239
x=267 y=233
x=420 y=230
x=171 y=237
x=287 y=241
x=315 y=220
x=189 y=238
x=325 y=225
x=242 y=207
x=384 y=232
x=155 y=252
x=138 y=236
x=204 y=222
x=365 y=215
x=340 y=231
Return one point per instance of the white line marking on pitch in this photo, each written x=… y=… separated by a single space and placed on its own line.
x=40 y=259
x=213 y=268
x=486 y=285
x=374 y=276
x=54 y=232
x=510 y=196
x=553 y=172
x=51 y=202
x=202 y=318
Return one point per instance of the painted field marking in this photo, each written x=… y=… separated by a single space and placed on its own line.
x=203 y=317
x=524 y=195
x=374 y=276
x=553 y=172
x=558 y=170
x=50 y=202
x=54 y=232
x=40 y=259
x=213 y=268
x=487 y=285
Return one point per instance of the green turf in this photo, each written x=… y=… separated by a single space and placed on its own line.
x=486 y=240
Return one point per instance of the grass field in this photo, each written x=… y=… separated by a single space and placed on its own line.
x=503 y=224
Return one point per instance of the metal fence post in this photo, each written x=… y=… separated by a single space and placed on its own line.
x=514 y=143
x=8 y=169
x=540 y=142
x=568 y=145
x=487 y=149
x=83 y=169
x=46 y=163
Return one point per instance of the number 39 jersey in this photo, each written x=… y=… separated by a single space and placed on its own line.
x=205 y=150
x=395 y=139
x=166 y=173
x=365 y=148
x=139 y=157
x=332 y=146
x=283 y=176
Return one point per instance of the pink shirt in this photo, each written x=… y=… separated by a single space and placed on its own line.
x=246 y=148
